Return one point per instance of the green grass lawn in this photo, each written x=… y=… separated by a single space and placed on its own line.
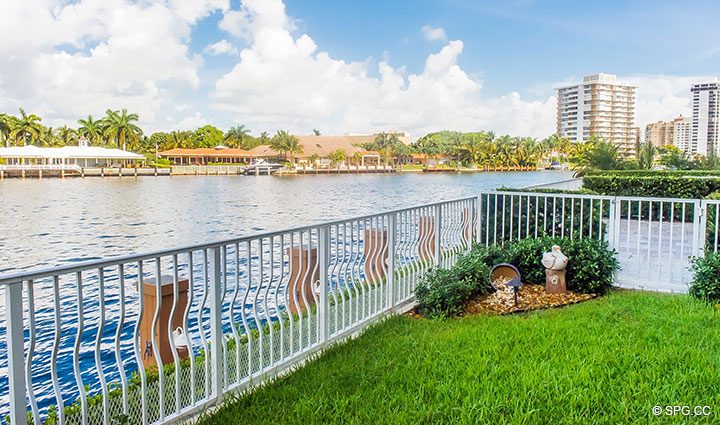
x=608 y=360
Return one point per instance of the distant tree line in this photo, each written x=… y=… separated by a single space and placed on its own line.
x=119 y=128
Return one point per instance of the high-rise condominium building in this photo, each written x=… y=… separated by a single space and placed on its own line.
x=682 y=134
x=660 y=133
x=599 y=106
x=705 y=111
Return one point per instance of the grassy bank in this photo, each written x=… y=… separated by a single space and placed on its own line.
x=604 y=361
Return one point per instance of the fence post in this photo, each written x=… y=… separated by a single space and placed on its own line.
x=613 y=222
x=216 y=333
x=700 y=228
x=478 y=218
x=438 y=227
x=16 y=353
x=392 y=222
x=323 y=263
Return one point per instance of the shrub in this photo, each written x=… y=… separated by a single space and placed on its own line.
x=442 y=294
x=589 y=270
x=653 y=173
x=582 y=191
x=661 y=185
x=706 y=280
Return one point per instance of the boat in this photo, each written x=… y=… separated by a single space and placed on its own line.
x=262 y=167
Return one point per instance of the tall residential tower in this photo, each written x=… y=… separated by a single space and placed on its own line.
x=599 y=106
x=705 y=114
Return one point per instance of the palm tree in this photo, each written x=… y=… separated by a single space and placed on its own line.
x=91 y=129
x=237 y=136
x=121 y=128
x=65 y=136
x=596 y=154
x=286 y=144
x=646 y=156
x=26 y=127
x=179 y=139
x=264 y=138
x=7 y=123
x=337 y=156
x=47 y=137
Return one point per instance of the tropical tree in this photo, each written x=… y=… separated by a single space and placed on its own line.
x=286 y=144
x=7 y=123
x=91 y=129
x=120 y=127
x=314 y=158
x=674 y=158
x=389 y=146
x=264 y=138
x=26 y=127
x=207 y=136
x=65 y=136
x=316 y=132
x=646 y=156
x=179 y=139
x=47 y=137
x=596 y=154
x=337 y=156
x=237 y=137
x=431 y=145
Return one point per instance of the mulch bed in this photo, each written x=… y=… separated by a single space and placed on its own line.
x=530 y=297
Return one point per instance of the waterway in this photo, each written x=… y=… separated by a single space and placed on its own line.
x=51 y=222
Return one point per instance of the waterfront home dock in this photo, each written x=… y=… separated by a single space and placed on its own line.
x=66 y=171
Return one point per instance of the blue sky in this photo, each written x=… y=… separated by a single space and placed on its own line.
x=348 y=66
x=517 y=45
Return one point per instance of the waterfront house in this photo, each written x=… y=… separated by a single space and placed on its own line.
x=317 y=151
x=429 y=160
x=205 y=156
x=83 y=155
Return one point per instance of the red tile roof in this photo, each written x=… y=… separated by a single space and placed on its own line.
x=208 y=152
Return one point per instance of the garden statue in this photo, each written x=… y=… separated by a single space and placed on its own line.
x=555 y=262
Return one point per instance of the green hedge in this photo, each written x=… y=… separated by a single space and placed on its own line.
x=443 y=293
x=706 y=280
x=656 y=186
x=653 y=173
x=582 y=191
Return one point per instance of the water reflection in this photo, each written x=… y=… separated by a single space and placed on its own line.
x=50 y=222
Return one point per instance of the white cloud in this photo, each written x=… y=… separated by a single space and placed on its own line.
x=222 y=47
x=193 y=10
x=63 y=61
x=433 y=34
x=191 y=122
x=662 y=97
x=285 y=81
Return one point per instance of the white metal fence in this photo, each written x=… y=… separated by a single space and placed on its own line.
x=155 y=337
x=109 y=343
x=655 y=238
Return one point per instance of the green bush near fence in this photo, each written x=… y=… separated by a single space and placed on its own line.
x=663 y=186
x=443 y=293
x=653 y=173
x=706 y=280
x=582 y=191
